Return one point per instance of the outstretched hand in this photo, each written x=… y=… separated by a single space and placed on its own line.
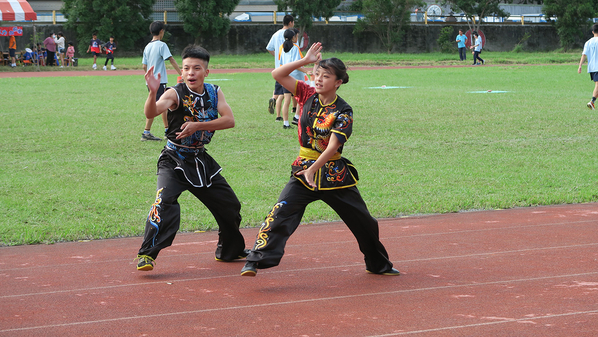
x=153 y=83
x=314 y=53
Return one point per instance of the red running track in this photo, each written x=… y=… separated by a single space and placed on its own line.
x=520 y=272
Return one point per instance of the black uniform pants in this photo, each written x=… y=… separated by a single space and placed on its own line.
x=286 y=215
x=164 y=218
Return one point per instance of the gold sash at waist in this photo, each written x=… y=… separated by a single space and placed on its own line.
x=311 y=154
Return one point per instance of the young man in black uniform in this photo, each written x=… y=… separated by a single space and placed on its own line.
x=193 y=116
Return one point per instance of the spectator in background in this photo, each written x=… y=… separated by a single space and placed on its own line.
x=60 y=48
x=590 y=52
x=155 y=54
x=50 y=45
x=109 y=47
x=12 y=51
x=70 y=53
x=461 y=39
x=95 y=47
x=476 y=45
x=273 y=48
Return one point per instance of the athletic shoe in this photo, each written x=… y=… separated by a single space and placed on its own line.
x=145 y=263
x=149 y=136
x=591 y=105
x=271 y=105
x=95 y=67
x=278 y=119
x=250 y=269
x=295 y=121
x=287 y=127
x=240 y=257
x=483 y=62
x=112 y=67
x=390 y=272
x=104 y=68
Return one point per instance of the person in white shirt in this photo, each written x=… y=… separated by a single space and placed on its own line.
x=273 y=48
x=477 y=49
x=59 y=39
x=590 y=51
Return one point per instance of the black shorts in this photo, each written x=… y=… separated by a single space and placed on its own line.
x=285 y=91
x=12 y=52
x=95 y=54
x=161 y=90
x=594 y=76
x=278 y=89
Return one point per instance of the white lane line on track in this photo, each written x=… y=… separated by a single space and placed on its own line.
x=310 y=300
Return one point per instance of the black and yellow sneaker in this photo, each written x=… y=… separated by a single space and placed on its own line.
x=240 y=257
x=145 y=263
x=390 y=272
x=250 y=269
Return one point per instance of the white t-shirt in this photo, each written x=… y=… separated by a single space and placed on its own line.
x=60 y=42
x=154 y=54
x=478 y=43
x=590 y=50
x=274 y=44
x=293 y=55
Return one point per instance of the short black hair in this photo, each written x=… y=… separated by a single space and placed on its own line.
x=156 y=27
x=197 y=52
x=288 y=19
x=595 y=28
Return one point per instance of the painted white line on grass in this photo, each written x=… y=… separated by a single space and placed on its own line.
x=488 y=92
x=309 y=300
x=387 y=87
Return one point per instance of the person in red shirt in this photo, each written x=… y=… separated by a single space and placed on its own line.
x=320 y=172
x=95 y=46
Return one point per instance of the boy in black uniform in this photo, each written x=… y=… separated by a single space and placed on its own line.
x=193 y=109
x=109 y=47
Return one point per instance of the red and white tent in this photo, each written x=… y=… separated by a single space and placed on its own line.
x=16 y=10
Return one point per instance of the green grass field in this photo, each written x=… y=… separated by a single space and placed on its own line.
x=72 y=166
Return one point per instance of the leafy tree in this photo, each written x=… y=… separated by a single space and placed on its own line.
x=126 y=20
x=387 y=19
x=305 y=10
x=446 y=40
x=573 y=16
x=205 y=18
x=481 y=9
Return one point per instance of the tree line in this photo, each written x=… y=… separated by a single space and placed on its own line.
x=128 y=20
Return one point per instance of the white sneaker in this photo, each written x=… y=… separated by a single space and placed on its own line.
x=61 y=66
x=112 y=67
x=104 y=67
x=95 y=67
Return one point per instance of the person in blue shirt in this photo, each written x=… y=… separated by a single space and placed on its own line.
x=590 y=51
x=155 y=54
x=461 y=39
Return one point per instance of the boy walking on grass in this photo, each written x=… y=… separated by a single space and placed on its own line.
x=109 y=47
x=95 y=47
x=590 y=51
x=195 y=110
x=154 y=55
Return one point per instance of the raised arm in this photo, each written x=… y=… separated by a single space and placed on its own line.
x=282 y=73
x=167 y=100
